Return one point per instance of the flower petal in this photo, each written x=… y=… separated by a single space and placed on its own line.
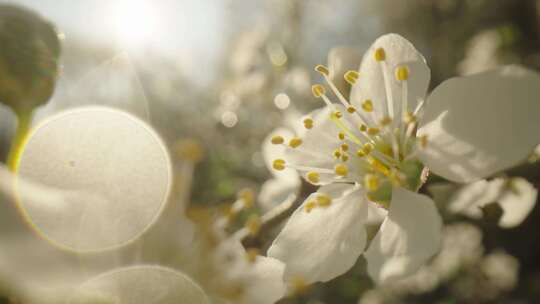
x=517 y=203
x=325 y=242
x=265 y=281
x=341 y=60
x=409 y=236
x=276 y=191
x=272 y=151
x=481 y=124
x=371 y=85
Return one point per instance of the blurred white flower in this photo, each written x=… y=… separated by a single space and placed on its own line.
x=516 y=197
x=370 y=152
x=260 y=278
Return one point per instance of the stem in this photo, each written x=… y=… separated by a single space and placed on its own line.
x=24 y=120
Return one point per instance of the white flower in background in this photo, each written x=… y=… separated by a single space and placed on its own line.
x=515 y=196
x=259 y=278
x=371 y=150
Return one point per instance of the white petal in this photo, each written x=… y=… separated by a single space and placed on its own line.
x=276 y=191
x=470 y=199
x=341 y=60
x=319 y=144
x=272 y=152
x=409 y=236
x=140 y=284
x=324 y=243
x=371 y=85
x=264 y=281
x=481 y=124
x=111 y=173
x=517 y=203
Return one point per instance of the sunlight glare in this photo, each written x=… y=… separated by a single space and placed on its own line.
x=136 y=22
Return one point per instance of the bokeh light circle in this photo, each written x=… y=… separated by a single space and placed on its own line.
x=140 y=284
x=108 y=175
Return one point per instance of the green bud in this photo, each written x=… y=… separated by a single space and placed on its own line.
x=29 y=54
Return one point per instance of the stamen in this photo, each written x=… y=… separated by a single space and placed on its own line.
x=423 y=139
x=351 y=109
x=323 y=200
x=279 y=164
x=379 y=166
x=313 y=177
x=253 y=224
x=337 y=153
x=385 y=121
x=341 y=170
x=371 y=182
x=344 y=157
x=308 y=123
x=251 y=254
x=344 y=147
x=295 y=142
x=310 y=205
x=380 y=54
x=367 y=105
x=402 y=73
x=322 y=69
x=277 y=140
x=247 y=196
x=373 y=131
x=341 y=135
x=363 y=128
x=351 y=77
x=317 y=90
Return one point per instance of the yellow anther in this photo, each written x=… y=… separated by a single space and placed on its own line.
x=310 y=205
x=368 y=148
x=322 y=69
x=247 y=195
x=409 y=117
x=295 y=142
x=363 y=128
x=365 y=150
x=423 y=139
x=278 y=164
x=336 y=114
x=344 y=157
x=253 y=224
x=380 y=54
x=385 y=121
x=344 y=147
x=351 y=77
x=371 y=182
x=351 y=109
x=317 y=90
x=373 y=131
x=189 y=149
x=341 y=170
x=323 y=200
x=277 y=140
x=341 y=135
x=337 y=153
x=367 y=105
x=313 y=177
x=379 y=166
x=308 y=123
x=402 y=73
x=251 y=254
x=299 y=286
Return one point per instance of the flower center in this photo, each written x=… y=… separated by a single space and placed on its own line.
x=376 y=144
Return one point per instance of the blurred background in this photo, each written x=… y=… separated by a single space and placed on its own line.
x=224 y=73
